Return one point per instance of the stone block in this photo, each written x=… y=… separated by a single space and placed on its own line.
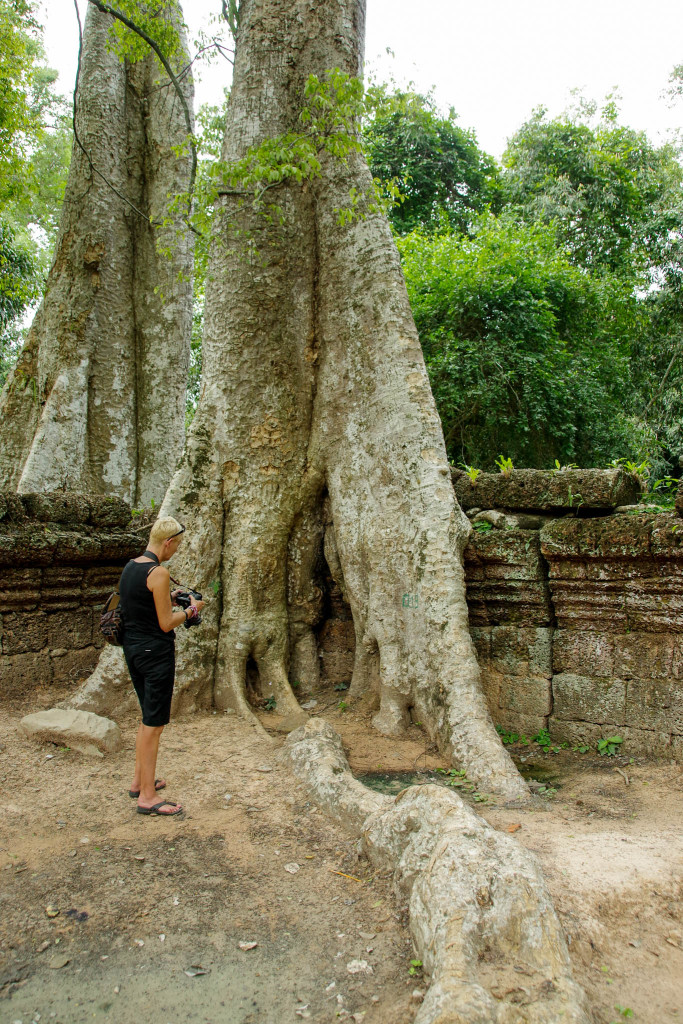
x=118 y=547
x=26 y=546
x=70 y=629
x=522 y=650
x=598 y=606
x=81 y=730
x=19 y=589
x=666 y=539
x=677 y=748
x=646 y=742
x=74 y=666
x=481 y=638
x=654 y=704
x=22 y=673
x=72 y=548
x=98 y=583
x=492 y=603
x=588 y=699
x=23 y=632
x=61 y=587
x=575 y=733
x=57 y=507
x=584 y=652
x=490 y=684
x=538 y=490
x=642 y=655
x=524 y=725
x=525 y=695
x=111 y=511
x=655 y=605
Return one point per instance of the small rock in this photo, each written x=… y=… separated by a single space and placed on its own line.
x=195 y=970
x=359 y=967
x=330 y=986
x=264 y=768
x=139 y=856
x=117 y=989
x=139 y=942
x=227 y=797
x=247 y=945
x=43 y=946
x=292 y=868
x=418 y=995
x=162 y=938
x=368 y=936
x=72 y=853
x=51 y=910
x=309 y=704
x=85 y=840
x=58 y=962
x=636 y=943
x=374 y=999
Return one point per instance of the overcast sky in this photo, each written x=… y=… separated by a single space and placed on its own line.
x=494 y=61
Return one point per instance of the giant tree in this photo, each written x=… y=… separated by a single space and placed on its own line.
x=96 y=400
x=316 y=430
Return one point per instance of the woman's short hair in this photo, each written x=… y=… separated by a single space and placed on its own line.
x=164 y=528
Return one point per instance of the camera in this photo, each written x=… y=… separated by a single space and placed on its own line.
x=182 y=599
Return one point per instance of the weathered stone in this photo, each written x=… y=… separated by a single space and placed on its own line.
x=506 y=579
x=522 y=651
x=19 y=589
x=24 y=631
x=525 y=695
x=61 y=587
x=524 y=725
x=647 y=742
x=585 y=652
x=109 y=511
x=91 y=734
x=74 y=666
x=98 y=583
x=576 y=733
x=535 y=490
x=588 y=699
x=641 y=655
x=57 y=507
x=600 y=606
x=22 y=673
x=654 y=704
x=71 y=629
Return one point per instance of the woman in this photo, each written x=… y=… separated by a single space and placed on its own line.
x=149 y=620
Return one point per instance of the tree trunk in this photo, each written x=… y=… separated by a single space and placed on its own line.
x=96 y=401
x=315 y=390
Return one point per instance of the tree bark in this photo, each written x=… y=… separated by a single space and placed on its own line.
x=315 y=390
x=96 y=401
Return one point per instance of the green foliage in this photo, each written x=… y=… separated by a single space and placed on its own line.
x=609 y=747
x=471 y=472
x=19 y=286
x=439 y=165
x=415 y=968
x=482 y=526
x=505 y=465
x=270 y=703
x=611 y=195
x=524 y=350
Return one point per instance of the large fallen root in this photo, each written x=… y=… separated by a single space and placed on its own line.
x=481 y=917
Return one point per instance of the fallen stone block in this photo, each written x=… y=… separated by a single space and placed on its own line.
x=81 y=730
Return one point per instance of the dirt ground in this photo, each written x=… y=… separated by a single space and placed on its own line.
x=141 y=901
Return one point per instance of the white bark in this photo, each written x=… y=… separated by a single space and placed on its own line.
x=96 y=402
x=316 y=397
x=315 y=384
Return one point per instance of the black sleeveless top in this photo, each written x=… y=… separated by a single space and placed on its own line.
x=140 y=620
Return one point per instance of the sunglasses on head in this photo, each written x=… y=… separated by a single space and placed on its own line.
x=181 y=530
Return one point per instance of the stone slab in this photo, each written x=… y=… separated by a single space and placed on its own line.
x=81 y=730
x=538 y=490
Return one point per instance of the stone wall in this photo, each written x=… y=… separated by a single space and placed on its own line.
x=60 y=557
x=575 y=593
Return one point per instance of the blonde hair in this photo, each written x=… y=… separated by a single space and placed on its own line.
x=164 y=528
